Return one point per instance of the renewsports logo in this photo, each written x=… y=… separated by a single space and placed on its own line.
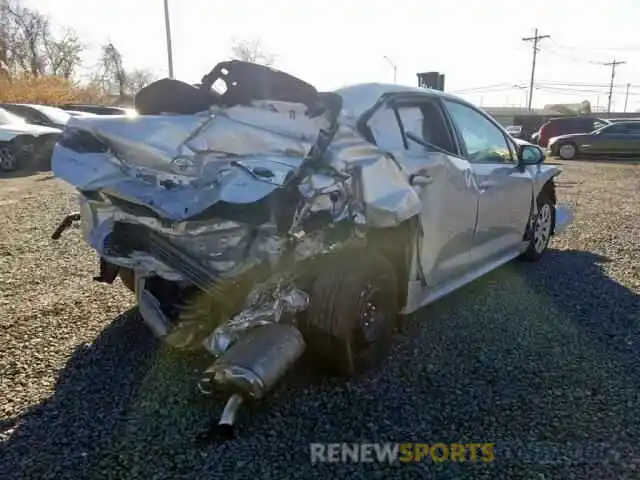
x=401 y=452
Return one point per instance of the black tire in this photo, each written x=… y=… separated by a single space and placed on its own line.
x=351 y=320
x=546 y=210
x=568 y=151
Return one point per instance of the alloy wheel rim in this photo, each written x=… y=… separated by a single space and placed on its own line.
x=543 y=228
x=7 y=159
x=567 y=151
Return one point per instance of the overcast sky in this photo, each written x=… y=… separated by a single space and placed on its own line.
x=331 y=43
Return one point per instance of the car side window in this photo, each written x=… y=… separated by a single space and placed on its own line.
x=413 y=122
x=385 y=130
x=628 y=128
x=634 y=128
x=27 y=114
x=484 y=141
x=425 y=120
x=615 y=128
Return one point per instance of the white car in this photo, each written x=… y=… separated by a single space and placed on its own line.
x=270 y=218
x=21 y=141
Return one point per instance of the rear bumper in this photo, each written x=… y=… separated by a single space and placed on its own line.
x=564 y=217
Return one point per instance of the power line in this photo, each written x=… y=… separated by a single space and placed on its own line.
x=570 y=57
x=607 y=49
x=536 y=38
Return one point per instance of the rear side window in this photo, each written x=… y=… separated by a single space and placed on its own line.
x=393 y=125
x=624 y=128
x=385 y=130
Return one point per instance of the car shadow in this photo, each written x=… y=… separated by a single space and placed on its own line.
x=68 y=434
x=593 y=300
x=92 y=392
x=26 y=172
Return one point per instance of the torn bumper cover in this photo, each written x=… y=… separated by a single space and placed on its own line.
x=207 y=185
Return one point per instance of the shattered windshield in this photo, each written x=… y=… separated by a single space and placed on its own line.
x=7 y=118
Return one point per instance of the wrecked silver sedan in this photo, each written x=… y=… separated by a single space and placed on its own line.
x=257 y=218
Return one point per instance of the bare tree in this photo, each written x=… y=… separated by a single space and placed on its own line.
x=251 y=50
x=27 y=44
x=24 y=31
x=110 y=73
x=64 y=54
x=138 y=79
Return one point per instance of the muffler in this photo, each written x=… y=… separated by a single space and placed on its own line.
x=251 y=368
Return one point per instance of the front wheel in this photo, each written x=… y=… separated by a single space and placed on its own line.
x=542 y=228
x=352 y=316
x=8 y=157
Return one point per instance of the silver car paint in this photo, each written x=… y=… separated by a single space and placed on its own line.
x=472 y=218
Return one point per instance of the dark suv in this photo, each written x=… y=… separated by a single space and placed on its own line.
x=567 y=125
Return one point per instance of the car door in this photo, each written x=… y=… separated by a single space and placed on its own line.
x=632 y=145
x=449 y=201
x=610 y=140
x=505 y=194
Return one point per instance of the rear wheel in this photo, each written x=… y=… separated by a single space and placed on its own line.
x=567 y=151
x=351 y=319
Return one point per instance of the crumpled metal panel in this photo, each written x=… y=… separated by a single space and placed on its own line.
x=379 y=183
x=220 y=244
x=179 y=165
x=259 y=312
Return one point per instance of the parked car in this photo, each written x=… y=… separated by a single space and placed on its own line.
x=615 y=139
x=568 y=125
x=98 y=109
x=288 y=219
x=42 y=115
x=21 y=142
x=514 y=130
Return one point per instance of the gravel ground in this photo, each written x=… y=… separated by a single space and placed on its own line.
x=542 y=357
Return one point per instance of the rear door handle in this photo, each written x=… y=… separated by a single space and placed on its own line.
x=487 y=184
x=420 y=179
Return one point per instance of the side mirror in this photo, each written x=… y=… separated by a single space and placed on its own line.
x=530 y=155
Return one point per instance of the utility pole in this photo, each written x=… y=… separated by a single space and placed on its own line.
x=167 y=26
x=626 y=98
x=535 y=39
x=613 y=74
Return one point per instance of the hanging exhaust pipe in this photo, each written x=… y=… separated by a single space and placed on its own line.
x=227 y=424
x=251 y=368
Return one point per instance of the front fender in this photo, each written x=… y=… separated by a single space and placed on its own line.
x=541 y=174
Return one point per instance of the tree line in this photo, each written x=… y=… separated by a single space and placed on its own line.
x=38 y=61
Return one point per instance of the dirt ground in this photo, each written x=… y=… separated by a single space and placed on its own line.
x=531 y=353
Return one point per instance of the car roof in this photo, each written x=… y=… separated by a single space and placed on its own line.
x=359 y=98
x=576 y=117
